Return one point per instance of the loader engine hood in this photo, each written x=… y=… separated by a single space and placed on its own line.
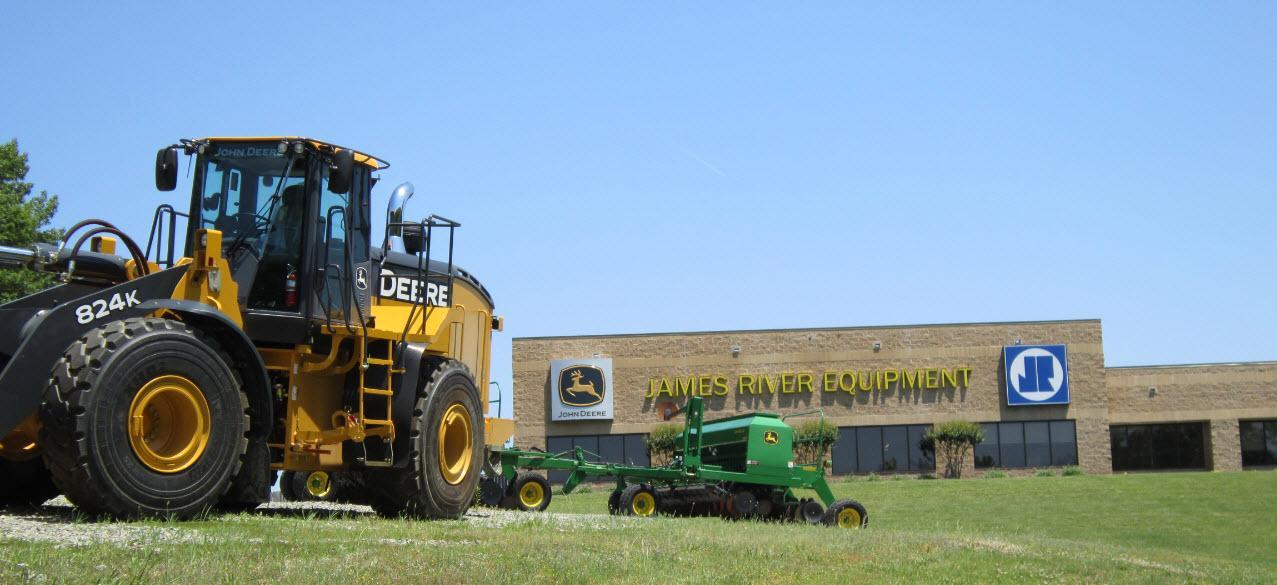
x=405 y=266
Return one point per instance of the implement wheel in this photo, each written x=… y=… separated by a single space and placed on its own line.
x=638 y=500
x=846 y=514
x=144 y=418
x=614 y=503
x=531 y=492
x=446 y=444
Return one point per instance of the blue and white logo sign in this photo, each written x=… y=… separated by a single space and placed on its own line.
x=1036 y=374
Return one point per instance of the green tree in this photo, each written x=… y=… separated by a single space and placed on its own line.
x=23 y=221
x=951 y=442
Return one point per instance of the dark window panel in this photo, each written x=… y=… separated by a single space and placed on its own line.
x=1159 y=446
x=556 y=445
x=1063 y=443
x=919 y=460
x=636 y=451
x=590 y=444
x=1037 y=444
x=895 y=448
x=612 y=448
x=986 y=453
x=868 y=449
x=844 y=451
x=1011 y=437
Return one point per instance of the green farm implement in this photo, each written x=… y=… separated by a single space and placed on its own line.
x=737 y=467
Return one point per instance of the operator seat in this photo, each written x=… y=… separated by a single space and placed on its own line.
x=282 y=251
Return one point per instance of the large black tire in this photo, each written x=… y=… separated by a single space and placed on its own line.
x=85 y=417
x=25 y=483
x=846 y=514
x=288 y=482
x=638 y=500
x=531 y=492
x=420 y=490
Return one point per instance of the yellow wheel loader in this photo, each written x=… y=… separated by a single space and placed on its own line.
x=272 y=334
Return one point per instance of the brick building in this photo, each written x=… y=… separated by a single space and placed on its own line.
x=1040 y=389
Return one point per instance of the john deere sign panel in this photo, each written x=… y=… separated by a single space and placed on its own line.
x=581 y=389
x=1036 y=374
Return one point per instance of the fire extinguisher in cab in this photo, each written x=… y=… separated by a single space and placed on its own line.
x=290 y=288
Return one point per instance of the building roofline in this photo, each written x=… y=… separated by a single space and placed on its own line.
x=800 y=329
x=1201 y=365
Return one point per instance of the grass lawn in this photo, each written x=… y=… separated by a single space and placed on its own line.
x=1155 y=528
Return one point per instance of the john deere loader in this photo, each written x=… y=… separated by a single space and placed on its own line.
x=272 y=334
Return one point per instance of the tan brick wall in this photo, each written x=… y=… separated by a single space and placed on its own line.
x=1219 y=394
x=637 y=358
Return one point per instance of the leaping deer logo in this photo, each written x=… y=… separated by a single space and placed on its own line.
x=572 y=395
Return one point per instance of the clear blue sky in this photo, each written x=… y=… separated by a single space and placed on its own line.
x=634 y=167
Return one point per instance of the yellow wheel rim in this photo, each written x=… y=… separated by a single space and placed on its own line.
x=456 y=444
x=169 y=424
x=643 y=504
x=848 y=518
x=318 y=484
x=531 y=495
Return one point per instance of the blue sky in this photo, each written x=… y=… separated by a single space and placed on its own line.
x=634 y=167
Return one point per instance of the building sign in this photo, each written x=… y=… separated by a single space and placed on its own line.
x=849 y=381
x=581 y=389
x=1036 y=374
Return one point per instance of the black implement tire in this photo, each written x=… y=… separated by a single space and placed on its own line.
x=420 y=489
x=288 y=484
x=96 y=387
x=638 y=500
x=846 y=514
x=614 y=503
x=25 y=483
x=531 y=492
x=492 y=491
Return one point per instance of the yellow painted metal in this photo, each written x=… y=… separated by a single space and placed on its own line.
x=23 y=442
x=169 y=423
x=208 y=277
x=531 y=495
x=496 y=431
x=643 y=504
x=456 y=443
x=319 y=484
x=848 y=518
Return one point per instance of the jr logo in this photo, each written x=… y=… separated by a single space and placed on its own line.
x=586 y=388
x=1036 y=375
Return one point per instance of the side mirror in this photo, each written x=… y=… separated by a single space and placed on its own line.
x=166 y=169
x=342 y=171
x=394 y=210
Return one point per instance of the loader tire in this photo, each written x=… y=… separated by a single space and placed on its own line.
x=446 y=442
x=25 y=483
x=144 y=418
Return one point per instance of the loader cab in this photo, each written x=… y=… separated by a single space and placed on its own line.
x=294 y=217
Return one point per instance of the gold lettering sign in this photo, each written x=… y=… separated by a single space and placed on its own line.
x=849 y=381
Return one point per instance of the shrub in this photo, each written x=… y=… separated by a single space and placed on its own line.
x=1043 y=473
x=928 y=476
x=994 y=474
x=661 y=442
x=871 y=477
x=812 y=440
x=1071 y=470
x=951 y=442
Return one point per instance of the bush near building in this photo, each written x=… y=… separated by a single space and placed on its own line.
x=952 y=441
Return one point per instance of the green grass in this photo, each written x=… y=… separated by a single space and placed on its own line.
x=1150 y=528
